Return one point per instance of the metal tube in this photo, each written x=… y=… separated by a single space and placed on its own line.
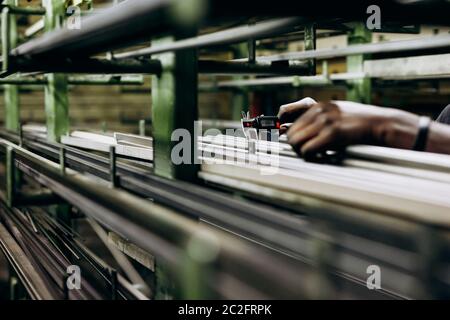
x=233 y=35
x=404 y=46
x=85 y=65
x=75 y=80
x=294 y=81
x=25 y=10
x=230 y=67
x=120 y=25
x=24 y=81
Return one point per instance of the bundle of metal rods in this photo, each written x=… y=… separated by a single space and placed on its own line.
x=40 y=249
x=304 y=205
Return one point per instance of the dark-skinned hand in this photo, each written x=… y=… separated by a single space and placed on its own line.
x=319 y=127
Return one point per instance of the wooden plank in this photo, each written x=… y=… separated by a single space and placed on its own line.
x=133 y=251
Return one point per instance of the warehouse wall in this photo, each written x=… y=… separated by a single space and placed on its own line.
x=120 y=108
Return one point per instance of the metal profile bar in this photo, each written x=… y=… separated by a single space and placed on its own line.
x=134 y=66
x=34 y=28
x=76 y=80
x=230 y=67
x=14 y=9
x=121 y=25
x=83 y=65
x=9 y=40
x=404 y=46
x=105 y=80
x=294 y=81
x=233 y=35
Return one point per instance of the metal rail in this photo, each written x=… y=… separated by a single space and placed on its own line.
x=426 y=44
x=123 y=24
x=87 y=66
x=76 y=80
x=229 y=36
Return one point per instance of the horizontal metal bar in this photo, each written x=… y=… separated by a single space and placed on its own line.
x=24 y=10
x=408 y=68
x=402 y=158
x=105 y=80
x=36 y=199
x=146 y=66
x=86 y=65
x=404 y=46
x=294 y=81
x=233 y=35
x=111 y=80
x=118 y=26
x=229 y=67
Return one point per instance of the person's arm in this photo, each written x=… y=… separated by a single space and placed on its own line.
x=438 y=138
x=333 y=125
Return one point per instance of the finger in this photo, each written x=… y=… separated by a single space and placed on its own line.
x=325 y=140
x=284 y=128
x=290 y=112
x=298 y=138
x=308 y=118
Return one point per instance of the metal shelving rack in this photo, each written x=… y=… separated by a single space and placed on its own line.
x=172 y=60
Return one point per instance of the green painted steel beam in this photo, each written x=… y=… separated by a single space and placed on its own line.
x=14 y=9
x=56 y=106
x=78 y=80
x=239 y=100
x=310 y=44
x=9 y=41
x=11 y=176
x=174 y=106
x=359 y=90
x=56 y=91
